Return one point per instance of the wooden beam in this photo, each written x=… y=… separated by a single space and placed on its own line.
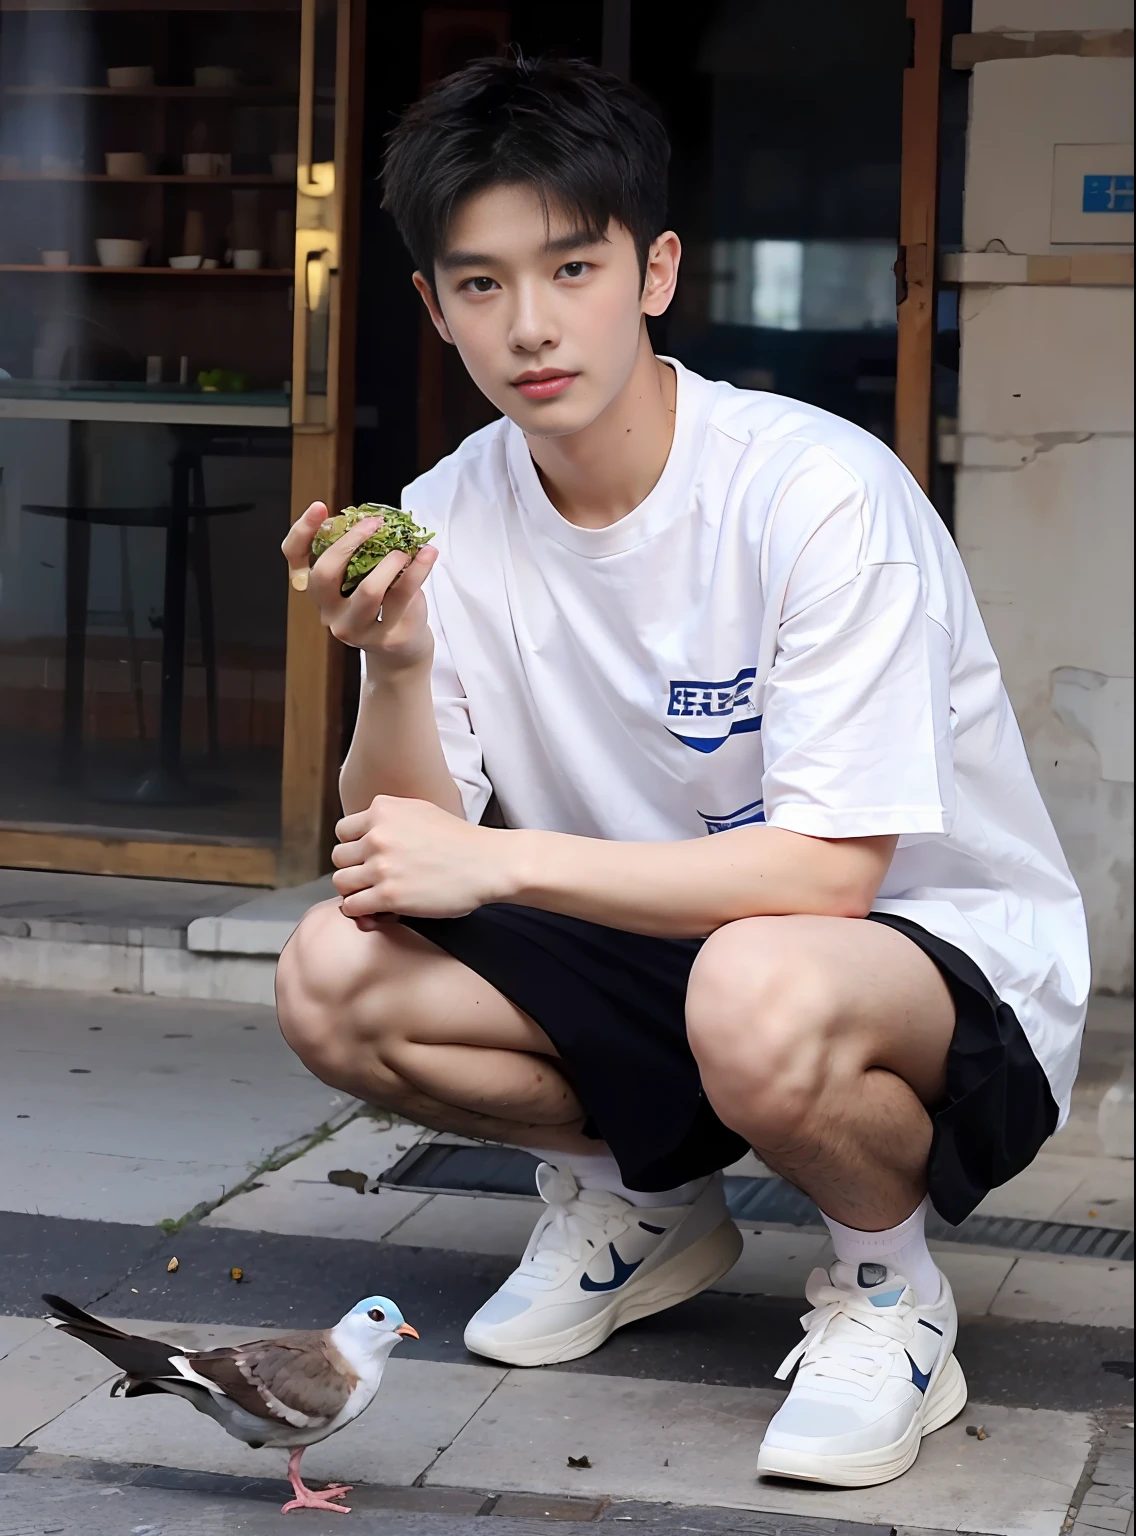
x=915 y=269
x=89 y=852
x=971 y=48
x=322 y=471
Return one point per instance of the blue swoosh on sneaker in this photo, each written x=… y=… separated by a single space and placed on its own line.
x=922 y=1379
x=621 y=1272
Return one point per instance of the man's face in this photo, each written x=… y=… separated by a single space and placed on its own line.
x=547 y=321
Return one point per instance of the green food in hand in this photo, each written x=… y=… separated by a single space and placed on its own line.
x=398 y=531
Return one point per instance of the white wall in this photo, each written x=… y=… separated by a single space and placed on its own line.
x=1044 y=509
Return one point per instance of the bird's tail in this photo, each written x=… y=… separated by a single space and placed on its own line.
x=137 y=1357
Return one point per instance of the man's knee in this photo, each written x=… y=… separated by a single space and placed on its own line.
x=760 y=1026
x=329 y=991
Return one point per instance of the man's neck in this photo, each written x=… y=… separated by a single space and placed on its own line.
x=597 y=476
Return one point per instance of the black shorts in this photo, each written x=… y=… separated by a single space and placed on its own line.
x=613 y=1004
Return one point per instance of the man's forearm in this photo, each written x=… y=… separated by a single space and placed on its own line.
x=688 y=889
x=395 y=749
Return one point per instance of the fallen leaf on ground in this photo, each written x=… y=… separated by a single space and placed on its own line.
x=581 y=1463
x=349 y=1178
x=236 y=1273
x=172 y=1267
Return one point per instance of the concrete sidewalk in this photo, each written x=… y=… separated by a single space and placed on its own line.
x=116 y=1111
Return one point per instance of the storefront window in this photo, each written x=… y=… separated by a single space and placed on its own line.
x=148 y=168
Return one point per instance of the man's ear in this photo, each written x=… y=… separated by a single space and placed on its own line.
x=430 y=299
x=662 y=273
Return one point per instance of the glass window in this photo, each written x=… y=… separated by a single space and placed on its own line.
x=148 y=163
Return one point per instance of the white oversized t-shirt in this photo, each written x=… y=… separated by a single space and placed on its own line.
x=782 y=632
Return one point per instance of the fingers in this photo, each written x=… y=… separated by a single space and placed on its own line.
x=378 y=590
x=297 y=544
x=349 y=882
x=348 y=851
x=329 y=570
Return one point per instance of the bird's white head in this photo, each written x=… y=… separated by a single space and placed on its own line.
x=371 y=1329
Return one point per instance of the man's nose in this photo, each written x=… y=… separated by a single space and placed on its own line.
x=533 y=326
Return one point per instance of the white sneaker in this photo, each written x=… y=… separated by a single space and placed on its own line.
x=877 y=1373
x=596 y=1262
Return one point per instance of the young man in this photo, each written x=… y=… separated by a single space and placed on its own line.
x=773 y=871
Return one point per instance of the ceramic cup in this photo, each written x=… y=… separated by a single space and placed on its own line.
x=127 y=163
x=120 y=253
x=55 y=258
x=185 y=263
x=199 y=163
x=131 y=77
x=247 y=260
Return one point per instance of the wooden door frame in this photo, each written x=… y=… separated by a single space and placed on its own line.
x=915 y=268
x=322 y=470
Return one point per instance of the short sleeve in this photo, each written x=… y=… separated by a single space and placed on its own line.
x=460 y=746
x=856 y=721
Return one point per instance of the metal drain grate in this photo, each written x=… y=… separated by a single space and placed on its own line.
x=506 y=1171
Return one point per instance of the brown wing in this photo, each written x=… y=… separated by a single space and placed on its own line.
x=297 y=1379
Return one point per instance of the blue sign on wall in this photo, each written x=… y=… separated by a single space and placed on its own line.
x=1107 y=194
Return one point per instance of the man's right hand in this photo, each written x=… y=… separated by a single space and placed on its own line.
x=401 y=639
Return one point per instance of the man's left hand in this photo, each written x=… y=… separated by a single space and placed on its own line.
x=410 y=858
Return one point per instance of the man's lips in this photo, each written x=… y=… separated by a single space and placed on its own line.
x=544 y=385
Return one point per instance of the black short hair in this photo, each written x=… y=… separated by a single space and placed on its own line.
x=583 y=139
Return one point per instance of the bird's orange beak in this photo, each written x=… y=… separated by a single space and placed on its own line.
x=407 y=1330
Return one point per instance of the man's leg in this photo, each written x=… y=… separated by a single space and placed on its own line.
x=393 y=1019
x=821 y=1040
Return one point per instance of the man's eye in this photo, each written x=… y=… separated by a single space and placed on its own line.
x=480 y=284
x=573 y=269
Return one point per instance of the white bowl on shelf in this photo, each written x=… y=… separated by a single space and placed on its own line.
x=127 y=162
x=247 y=260
x=210 y=264
x=185 y=263
x=216 y=77
x=120 y=253
x=131 y=77
x=55 y=258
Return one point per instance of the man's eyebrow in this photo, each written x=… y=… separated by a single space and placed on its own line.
x=454 y=259
x=574 y=240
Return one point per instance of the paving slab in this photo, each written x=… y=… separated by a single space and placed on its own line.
x=15 y=1331
x=487 y=1224
x=1068 y=1291
x=421 y=1407
x=41 y=1378
x=132 y=1109
x=260 y=926
x=46 y=904
x=697 y=1444
x=975 y=1278
x=298 y=1199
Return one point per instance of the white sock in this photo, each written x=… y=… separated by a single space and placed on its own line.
x=599 y=1170
x=903 y=1248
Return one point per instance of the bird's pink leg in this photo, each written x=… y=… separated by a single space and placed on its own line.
x=312 y=1498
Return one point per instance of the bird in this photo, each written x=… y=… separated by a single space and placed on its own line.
x=286 y=1393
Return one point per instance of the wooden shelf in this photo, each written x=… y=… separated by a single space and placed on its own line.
x=155 y=271
x=168 y=92
x=253 y=179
